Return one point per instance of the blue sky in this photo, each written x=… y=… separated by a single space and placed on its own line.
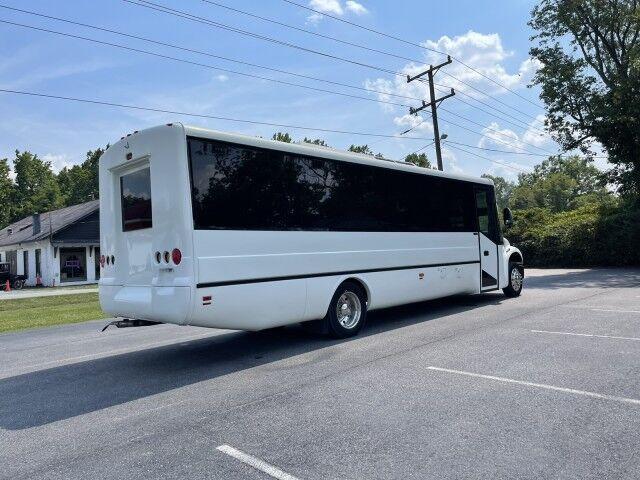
x=489 y=35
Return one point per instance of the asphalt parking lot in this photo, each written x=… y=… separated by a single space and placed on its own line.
x=543 y=386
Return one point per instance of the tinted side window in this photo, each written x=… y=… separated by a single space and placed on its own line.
x=245 y=188
x=135 y=199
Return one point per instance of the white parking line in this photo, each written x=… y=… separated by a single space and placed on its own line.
x=594 y=309
x=586 y=335
x=600 y=396
x=256 y=463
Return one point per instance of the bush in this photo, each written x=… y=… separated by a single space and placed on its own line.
x=606 y=234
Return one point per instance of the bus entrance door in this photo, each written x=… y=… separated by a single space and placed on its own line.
x=488 y=238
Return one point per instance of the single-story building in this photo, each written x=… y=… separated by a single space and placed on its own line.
x=61 y=247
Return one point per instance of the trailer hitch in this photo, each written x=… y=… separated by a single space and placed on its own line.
x=127 y=322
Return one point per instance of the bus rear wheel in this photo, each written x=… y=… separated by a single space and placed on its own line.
x=515 y=281
x=347 y=311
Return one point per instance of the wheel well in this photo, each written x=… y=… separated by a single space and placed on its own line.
x=515 y=258
x=363 y=285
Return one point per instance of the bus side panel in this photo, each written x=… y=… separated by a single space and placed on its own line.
x=253 y=306
x=397 y=287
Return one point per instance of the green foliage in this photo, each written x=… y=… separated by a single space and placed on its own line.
x=282 y=137
x=598 y=234
x=364 y=149
x=504 y=189
x=589 y=52
x=79 y=183
x=35 y=189
x=315 y=141
x=558 y=184
x=419 y=159
x=361 y=149
x=6 y=192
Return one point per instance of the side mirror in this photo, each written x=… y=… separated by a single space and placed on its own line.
x=508 y=217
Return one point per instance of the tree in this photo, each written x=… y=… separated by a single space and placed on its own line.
x=590 y=78
x=315 y=141
x=282 y=137
x=36 y=189
x=504 y=189
x=6 y=193
x=79 y=183
x=420 y=160
x=364 y=149
x=559 y=184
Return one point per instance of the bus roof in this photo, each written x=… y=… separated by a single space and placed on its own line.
x=316 y=151
x=324 y=152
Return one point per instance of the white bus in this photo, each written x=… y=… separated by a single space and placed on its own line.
x=214 y=229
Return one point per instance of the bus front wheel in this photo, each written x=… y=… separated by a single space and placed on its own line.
x=515 y=281
x=347 y=311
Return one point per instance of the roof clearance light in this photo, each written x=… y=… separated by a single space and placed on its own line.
x=176 y=256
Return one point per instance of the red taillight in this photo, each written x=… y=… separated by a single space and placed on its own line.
x=176 y=256
x=102 y=260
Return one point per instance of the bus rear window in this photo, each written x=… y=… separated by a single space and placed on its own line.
x=135 y=198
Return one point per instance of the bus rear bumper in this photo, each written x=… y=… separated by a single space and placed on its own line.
x=157 y=304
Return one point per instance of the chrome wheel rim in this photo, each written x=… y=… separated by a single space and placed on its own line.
x=516 y=279
x=348 y=310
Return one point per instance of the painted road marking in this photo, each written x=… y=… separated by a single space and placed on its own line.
x=586 y=335
x=256 y=463
x=594 y=309
x=600 y=396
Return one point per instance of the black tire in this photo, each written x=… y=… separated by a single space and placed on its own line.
x=355 y=300
x=514 y=290
x=18 y=284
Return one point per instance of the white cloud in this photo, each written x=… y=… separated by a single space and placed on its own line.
x=222 y=77
x=484 y=52
x=356 y=7
x=534 y=135
x=414 y=122
x=450 y=162
x=327 y=6
x=58 y=161
x=61 y=71
x=503 y=138
x=334 y=7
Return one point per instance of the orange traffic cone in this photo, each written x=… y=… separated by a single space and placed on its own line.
x=7 y=287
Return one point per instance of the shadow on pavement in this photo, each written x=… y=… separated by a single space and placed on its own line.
x=592 y=278
x=46 y=396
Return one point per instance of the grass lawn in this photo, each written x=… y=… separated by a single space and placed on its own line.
x=19 y=314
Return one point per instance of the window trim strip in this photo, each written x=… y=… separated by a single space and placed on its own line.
x=328 y=274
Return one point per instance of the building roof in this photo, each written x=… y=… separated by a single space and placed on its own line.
x=50 y=223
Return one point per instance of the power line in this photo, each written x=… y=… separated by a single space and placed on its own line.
x=310 y=32
x=492 y=129
x=200 y=115
x=517 y=169
x=204 y=65
x=195 y=18
x=407 y=42
x=498 y=150
x=209 y=54
x=522 y=124
x=206 y=21
x=491 y=138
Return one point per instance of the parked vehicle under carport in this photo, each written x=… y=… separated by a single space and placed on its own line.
x=15 y=281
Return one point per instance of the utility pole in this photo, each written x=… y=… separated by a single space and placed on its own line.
x=434 y=102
